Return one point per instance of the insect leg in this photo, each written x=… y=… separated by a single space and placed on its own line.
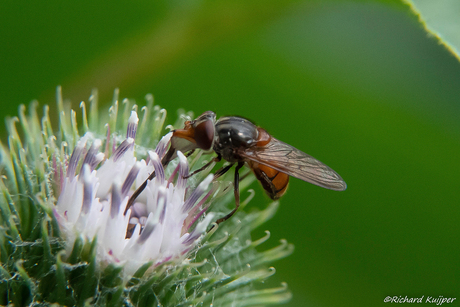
x=188 y=154
x=236 y=191
x=166 y=159
x=216 y=159
x=222 y=171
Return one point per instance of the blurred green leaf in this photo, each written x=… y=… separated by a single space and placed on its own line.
x=442 y=19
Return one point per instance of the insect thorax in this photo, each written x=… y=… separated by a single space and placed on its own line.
x=232 y=135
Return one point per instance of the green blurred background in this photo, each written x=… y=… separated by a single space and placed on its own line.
x=357 y=84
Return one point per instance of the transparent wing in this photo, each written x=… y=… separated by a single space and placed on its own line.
x=289 y=160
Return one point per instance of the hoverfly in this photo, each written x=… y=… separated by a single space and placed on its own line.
x=238 y=141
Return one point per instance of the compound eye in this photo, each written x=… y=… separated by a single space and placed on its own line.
x=204 y=134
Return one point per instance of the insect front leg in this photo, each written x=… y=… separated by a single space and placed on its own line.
x=165 y=161
x=222 y=171
x=216 y=159
x=188 y=154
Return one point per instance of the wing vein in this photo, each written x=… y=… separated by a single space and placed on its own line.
x=289 y=160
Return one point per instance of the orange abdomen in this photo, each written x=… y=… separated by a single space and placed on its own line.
x=274 y=182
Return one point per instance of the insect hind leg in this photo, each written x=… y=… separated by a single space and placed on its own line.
x=236 y=191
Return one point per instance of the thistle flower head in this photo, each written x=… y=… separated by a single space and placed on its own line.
x=68 y=236
x=92 y=203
